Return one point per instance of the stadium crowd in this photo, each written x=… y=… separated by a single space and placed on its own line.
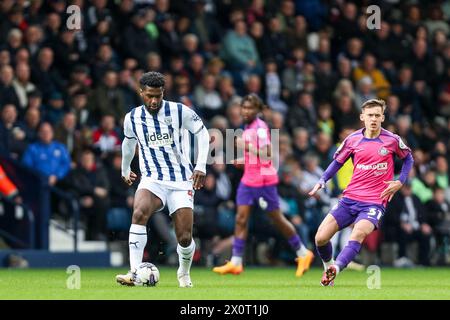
x=64 y=93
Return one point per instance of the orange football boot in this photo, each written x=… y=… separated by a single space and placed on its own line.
x=229 y=268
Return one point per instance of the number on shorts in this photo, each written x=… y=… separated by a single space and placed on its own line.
x=375 y=212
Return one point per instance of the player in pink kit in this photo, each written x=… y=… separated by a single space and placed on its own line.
x=259 y=187
x=372 y=149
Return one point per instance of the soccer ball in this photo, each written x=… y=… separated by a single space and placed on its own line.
x=147 y=274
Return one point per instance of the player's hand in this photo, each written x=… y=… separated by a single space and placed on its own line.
x=129 y=181
x=392 y=188
x=316 y=188
x=198 y=179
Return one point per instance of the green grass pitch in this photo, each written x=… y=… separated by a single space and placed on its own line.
x=253 y=284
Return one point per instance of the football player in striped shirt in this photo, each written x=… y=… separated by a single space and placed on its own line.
x=161 y=130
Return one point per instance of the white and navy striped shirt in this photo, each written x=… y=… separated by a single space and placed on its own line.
x=164 y=140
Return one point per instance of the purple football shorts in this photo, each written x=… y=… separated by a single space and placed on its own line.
x=349 y=211
x=266 y=197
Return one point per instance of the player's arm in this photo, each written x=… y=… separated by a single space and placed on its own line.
x=193 y=123
x=395 y=185
x=340 y=157
x=198 y=176
x=128 y=150
x=327 y=175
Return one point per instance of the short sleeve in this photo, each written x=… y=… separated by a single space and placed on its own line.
x=128 y=127
x=401 y=149
x=191 y=120
x=343 y=152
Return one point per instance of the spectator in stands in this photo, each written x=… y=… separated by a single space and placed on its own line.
x=45 y=75
x=314 y=206
x=207 y=98
x=79 y=79
x=121 y=196
x=323 y=149
x=30 y=124
x=301 y=143
x=137 y=42
x=226 y=90
x=345 y=113
x=207 y=202
x=303 y=114
x=364 y=91
x=22 y=85
x=47 y=156
x=105 y=61
x=439 y=216
x=54 y=109
x=105 y=139
x=89 y=181
x=205 y=25
x=368 y=68
x=325 y=122
x=292 y=200
x=196 y=66
x=412 y=224
x=273 y=88
x=8 y=94
x=12 y=136
x=68 y=52
x=239 y=50
x=107 y=98
x=170 y=42
x=67 y=133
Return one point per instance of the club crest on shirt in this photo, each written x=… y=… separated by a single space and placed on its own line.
x=383 y=151
x=195 y=117
x=168 y=120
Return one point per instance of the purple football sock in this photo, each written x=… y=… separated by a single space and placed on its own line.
x=325 y=252
x=295 y=242
x=348 y=254
x=238 y=247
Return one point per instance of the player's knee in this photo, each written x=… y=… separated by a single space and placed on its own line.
x=320 y=239
x=359 y=235
x=139 y=217
x=185 y=239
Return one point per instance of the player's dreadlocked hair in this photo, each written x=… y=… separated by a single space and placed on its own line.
x=253 y=99
x=152 y=79
x=374 y=103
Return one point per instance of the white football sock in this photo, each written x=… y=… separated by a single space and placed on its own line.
x=185 y=255
x=302 y=251
x=328 y=263
x=237 y=261
x=136 y=242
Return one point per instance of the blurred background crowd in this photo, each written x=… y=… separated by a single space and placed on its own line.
x=64 y=93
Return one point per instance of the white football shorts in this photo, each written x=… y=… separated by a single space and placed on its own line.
x=174 y=194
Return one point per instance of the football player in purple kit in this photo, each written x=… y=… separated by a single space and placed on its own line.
x=363 y=204
x=259 y=186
